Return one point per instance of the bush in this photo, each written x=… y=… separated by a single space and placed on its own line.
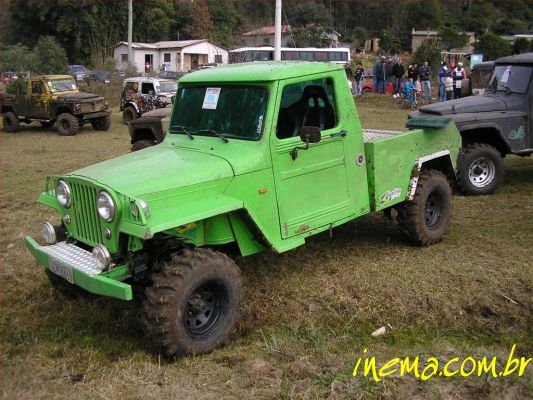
x=492 y=46
x=17 y=86
x=111 y=91
x=50 y=56
x=430 y=51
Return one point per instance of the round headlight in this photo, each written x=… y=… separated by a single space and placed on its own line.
x=144 y=206
x=49 y=233
x=101 y=256
x=77 y=107
x=105 y=206
x=63 y=194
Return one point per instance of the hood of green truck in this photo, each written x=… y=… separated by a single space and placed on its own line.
x=157 y=169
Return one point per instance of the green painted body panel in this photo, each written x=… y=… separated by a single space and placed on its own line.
x=252 y=192
x=106 y=284
x=390 y=161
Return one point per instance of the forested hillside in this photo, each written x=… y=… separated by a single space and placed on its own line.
x=88 y=30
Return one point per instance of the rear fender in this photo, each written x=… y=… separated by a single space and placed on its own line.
x=440 y=161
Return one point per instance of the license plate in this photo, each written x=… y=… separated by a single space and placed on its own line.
x=61 y=269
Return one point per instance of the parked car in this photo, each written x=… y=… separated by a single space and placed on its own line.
x=51 y=99
x=100 y=77
x=168 y=75
x=79 y=72
x=143 y=94
x=497 y=123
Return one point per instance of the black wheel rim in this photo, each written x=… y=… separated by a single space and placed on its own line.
x=8 y=124
x=433 y=210
x=205 y=310
x=65 y=125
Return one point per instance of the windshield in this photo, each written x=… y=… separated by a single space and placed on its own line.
x=511 y=77
x=62 y=85
x=233 y=111
x=168 y=86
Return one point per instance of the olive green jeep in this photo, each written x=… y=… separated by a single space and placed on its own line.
x=53 y=99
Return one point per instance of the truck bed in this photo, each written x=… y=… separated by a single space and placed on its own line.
x=375 y=135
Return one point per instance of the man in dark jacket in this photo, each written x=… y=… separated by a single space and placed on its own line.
x=425 y=76
x=412 y=72
x=398 y=72
x=378 y=73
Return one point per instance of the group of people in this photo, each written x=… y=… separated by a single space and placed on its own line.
x=418 y=79
x=450 y=80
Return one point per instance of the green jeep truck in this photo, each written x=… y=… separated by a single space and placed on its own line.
x=259 y=155
x=54 y=99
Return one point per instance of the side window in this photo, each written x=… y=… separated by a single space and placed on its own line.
x=131 y=87
x=308 y=103
x=147 y=87
x=37 y=87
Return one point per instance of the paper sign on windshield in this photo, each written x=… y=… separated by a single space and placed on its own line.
x=505 y=76
x=211 y=98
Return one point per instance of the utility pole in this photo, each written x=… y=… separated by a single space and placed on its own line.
x=130 y=31
x=277 y=32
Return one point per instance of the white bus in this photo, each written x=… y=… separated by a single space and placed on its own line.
x=338 y=55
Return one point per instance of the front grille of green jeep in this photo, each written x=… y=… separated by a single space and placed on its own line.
x=88 y=222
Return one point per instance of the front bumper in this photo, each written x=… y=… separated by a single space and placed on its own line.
x=93 y=115
x=76 y=265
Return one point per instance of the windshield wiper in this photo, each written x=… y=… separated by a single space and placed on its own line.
x=216 y=133
x=182 y=128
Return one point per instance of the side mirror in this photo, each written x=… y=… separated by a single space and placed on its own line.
x=310 y=134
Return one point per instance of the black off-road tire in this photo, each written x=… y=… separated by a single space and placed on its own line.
x=47 y=125
x=11 y=122
x=425 y=218
x=101 y=124
x=142 y=144
x=66 y=288
x=67 y=124
x=479 y=169
x=129 y=114
x=193 y=303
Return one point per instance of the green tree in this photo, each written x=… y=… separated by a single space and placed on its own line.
x=492 y=46
x=522 y=45
x=50 y=56
x=18 y=58
x=430 y=50
x=452 y=38
x=388 y=42
x=425 y=14
x=199 y=24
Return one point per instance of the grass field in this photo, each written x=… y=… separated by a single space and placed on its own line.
x=307 y=314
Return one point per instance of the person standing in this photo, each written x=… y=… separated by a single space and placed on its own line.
x=381 y=75
x=398 y=71
x=448 y=83
x=376 y=71
x=412 y=72
x=443 y=73
x=425 y=76
x=359 y=75
x=458 y=74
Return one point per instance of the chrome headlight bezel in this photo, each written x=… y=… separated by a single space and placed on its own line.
x=103 y=201
x=63 y=194
x=144 y=208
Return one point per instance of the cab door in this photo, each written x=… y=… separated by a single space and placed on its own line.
x=38 y=104
x=311 y=184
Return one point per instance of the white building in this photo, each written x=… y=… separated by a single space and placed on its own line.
x=182 y=55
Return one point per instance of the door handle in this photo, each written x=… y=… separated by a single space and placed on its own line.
x=340 y=134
